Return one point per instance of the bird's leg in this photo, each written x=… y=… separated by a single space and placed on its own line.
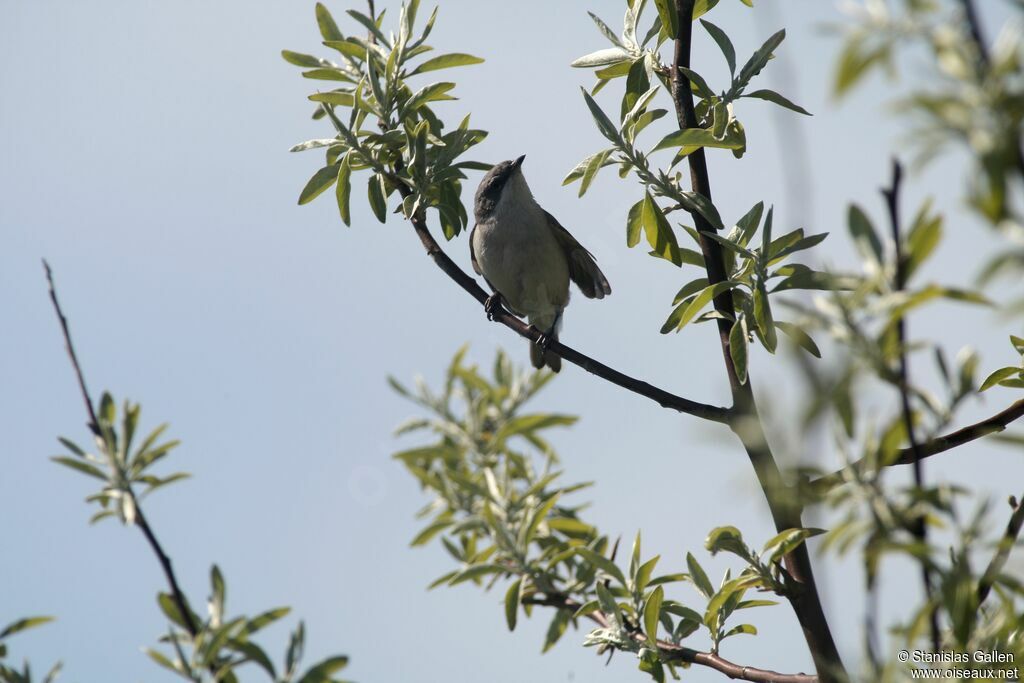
x=493 y=304
x=544 y=340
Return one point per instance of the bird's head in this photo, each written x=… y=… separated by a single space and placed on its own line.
x=504 y=181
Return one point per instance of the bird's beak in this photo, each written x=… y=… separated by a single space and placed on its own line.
x=518 y=162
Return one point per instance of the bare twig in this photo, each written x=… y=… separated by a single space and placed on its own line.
x=1006 y=544
x=785 y=507
x=670 y=652
x=918 y=528
x=140 y=520
x=93 y=424
x=940 y=444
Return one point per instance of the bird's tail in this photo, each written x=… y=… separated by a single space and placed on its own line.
x=538 y=356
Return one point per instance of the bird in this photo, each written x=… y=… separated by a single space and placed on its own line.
x=528 y=258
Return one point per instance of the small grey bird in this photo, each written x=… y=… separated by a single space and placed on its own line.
x=527 y=257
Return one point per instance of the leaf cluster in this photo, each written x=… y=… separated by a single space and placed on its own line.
x=390 y=129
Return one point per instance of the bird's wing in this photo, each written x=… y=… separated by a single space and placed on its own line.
x=472 y=253
x=582 y=267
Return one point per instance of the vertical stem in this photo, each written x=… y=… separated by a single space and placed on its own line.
x=783 y=503
x=918 y=528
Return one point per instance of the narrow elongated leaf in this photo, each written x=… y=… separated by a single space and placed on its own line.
x=658 y=231
x=763 y=316
x=776 y=98
x=556 y=628
x=695 y=137
x=738 y=348
x=604 y=124
x=446 y=62
x=300 y=59
x=603 y=563
x=864 y=236
x=652 y=610
x=512 y=603
x=634 y=223
x=998 y=376
x=23 y=625
x=611 y=55
x=800 y=337
x=320 y=181
x=328 y=28
x=668 y=17
x=375 y=193
x=699 y=578
x=760 y=58
x=343 y=190
x=724 y=44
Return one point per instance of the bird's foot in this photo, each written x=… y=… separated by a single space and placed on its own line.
x=493 y=304
x=543 y=340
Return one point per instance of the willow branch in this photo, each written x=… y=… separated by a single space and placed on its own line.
x=672 y=653
x=1002 y=553
x=469 y=284
x=917 y=527
x=140 y=519
x=785 y=507
x=940 y=444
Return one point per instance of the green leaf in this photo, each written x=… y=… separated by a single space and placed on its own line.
x=80 y=465
x=800 y=337
x=512 y=603
x=644 y=571
x=604 y=124
x=316 y=144
x=763 y=315
x=340 y=99
x=998 y=376
x=595 y=163
x=864 y=236
x=742 y=628
x=668 y=17
x=611 y=55
x=694 y=138
x=634 y=223
x=724 y=44
x=787 y=541
x=760 y=58
x=772 y=96
x=327 y=74
x=475 y=572
x=702 y=7
x=738 y=348
x=321 y=673
x=699 y=578
x=689 y=311
x=854 y=63
x=430 y=531
x=1018 y=343
x=343 y=190
x=605 y=30
x=375 y=193
x=689 y=289
x=658 y=231
x=371 y=26
x=556 y=628
x=430 y=93
x=23 y=625
x=320 y=181
x=300 y=59
x=603 y=563
x=446 y=62
x=652 y=610
x=924 y=237
x=328 y=28
x=725 y=539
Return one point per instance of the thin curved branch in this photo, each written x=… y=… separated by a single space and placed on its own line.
x=940 y=444
x=1006 y=544
x=670 y=652
x=659 y=396
x=140 y=519
x=918 y=528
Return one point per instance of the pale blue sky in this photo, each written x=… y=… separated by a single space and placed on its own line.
x=144 y=153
